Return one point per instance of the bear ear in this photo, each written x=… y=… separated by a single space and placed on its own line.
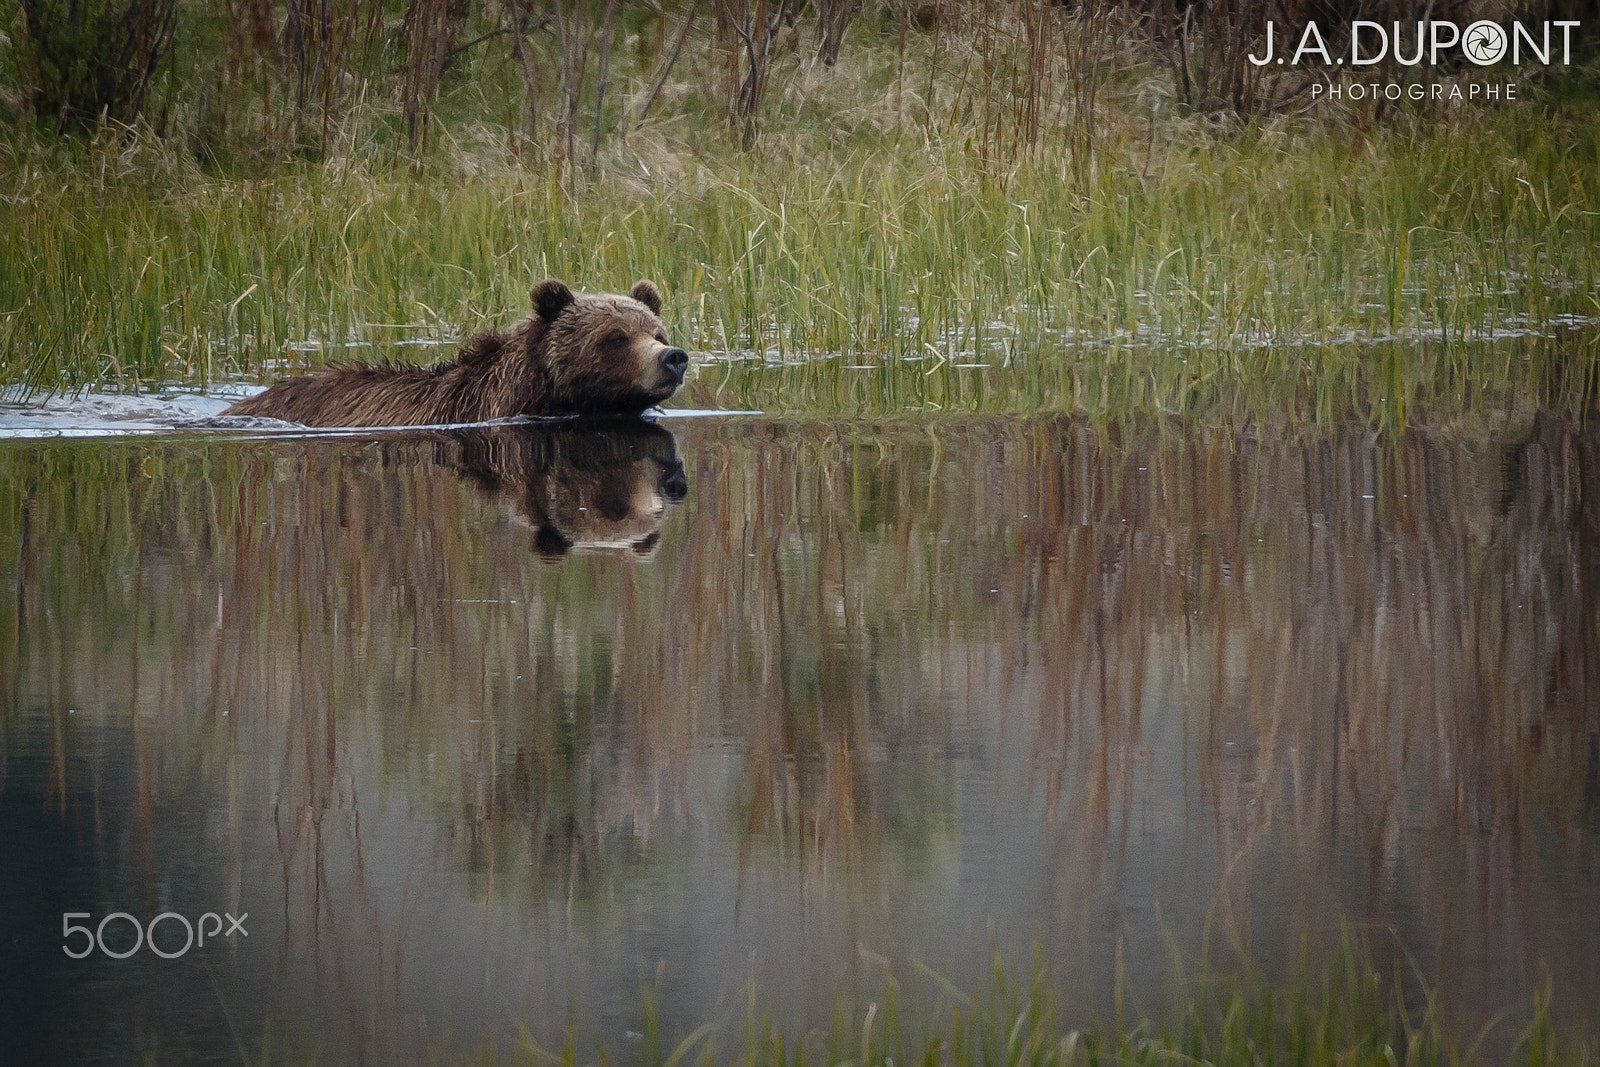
x=551 y=298
x=646 y=544
x=648 y=295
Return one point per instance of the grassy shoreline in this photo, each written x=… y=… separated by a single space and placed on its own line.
x=1183 y=256
x=1281 y=259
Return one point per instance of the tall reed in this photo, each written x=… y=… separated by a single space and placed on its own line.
x=1005 y=183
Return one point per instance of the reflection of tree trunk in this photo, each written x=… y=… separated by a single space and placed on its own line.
x=1572 y=379
x=1535 y=503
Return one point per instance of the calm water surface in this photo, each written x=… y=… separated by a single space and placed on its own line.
x=493 y=728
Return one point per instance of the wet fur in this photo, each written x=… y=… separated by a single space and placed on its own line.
x=551 y=363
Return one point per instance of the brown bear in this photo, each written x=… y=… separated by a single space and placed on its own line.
x=576 y=354
x=594 y=485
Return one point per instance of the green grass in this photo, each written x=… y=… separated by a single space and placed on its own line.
x=1351 y=1014
x=1177 y=262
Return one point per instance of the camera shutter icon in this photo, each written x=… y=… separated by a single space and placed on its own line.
x=1484 y=43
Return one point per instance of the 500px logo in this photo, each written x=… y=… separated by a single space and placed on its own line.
x=146 y=935
x=1484 y=43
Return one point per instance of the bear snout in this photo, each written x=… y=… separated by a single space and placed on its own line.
x=674 y=486
x=675 y=361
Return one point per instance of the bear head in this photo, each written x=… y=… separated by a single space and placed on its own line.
x=605 y=490
x=606 y=352
x=595 y=485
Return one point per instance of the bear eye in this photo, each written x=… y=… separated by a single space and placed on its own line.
x=661 y=335
x=617 y=338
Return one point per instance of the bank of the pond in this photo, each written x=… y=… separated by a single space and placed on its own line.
x=1314 y=258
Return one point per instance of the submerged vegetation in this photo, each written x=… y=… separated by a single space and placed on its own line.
x=1072 y=192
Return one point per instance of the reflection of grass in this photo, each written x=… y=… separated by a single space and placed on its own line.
x=1388 y=385
x=1177 y=265
x=1399 y=628
x=1352 y=1013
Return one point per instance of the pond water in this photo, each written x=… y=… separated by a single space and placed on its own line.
x=502 y=727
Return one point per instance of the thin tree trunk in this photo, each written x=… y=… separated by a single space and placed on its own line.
x=605 y=74
x=688 y=24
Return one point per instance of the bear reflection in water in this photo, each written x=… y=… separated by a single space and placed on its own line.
x=585 y=486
